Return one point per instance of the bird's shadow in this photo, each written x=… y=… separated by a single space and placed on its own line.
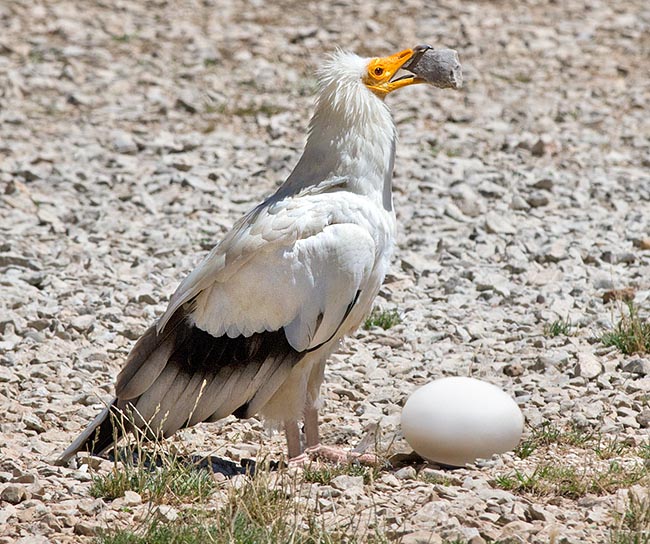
x=217 y=465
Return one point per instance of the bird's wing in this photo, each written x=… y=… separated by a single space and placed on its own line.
x=297 y=266
x=263 y=227
x=280 y=285
x=297 y=270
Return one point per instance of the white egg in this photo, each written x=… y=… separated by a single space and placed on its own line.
x=455 y=421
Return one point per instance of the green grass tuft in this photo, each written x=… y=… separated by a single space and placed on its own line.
x=631 y=334
x=571 y=482
x=385 y=319
x=268 y=508
x=324 y=474
x=559 y=327
x=633 y=525
x=173 y=481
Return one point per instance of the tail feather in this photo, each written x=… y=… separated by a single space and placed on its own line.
x=149 y=357
x=97 y=437
x=183 y=376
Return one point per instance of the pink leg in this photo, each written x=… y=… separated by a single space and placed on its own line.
x=312 y=437
x=292 y=433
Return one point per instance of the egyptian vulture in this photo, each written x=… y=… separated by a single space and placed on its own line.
x=249 y=330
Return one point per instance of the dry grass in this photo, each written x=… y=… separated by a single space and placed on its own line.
x=268 y=506
x=633 y=525
x=605 y=464
x=631 y=334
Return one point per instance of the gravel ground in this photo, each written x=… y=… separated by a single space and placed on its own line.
x=133 y=134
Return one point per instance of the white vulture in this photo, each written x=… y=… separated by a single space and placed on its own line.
x=249 y=330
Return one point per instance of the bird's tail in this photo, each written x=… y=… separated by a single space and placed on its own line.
x=99 y=436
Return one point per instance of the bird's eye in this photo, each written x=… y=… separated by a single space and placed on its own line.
x=379 y=71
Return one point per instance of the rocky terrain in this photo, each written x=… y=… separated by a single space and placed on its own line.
x=133 y=134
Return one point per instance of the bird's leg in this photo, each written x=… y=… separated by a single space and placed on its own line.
x=312 y=437
x=292 y=433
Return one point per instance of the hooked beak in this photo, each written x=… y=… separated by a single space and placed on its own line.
x=381 y=79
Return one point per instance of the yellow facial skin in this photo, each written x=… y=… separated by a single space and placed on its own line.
x=382 y=69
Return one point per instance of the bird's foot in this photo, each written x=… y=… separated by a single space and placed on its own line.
x=336 y=455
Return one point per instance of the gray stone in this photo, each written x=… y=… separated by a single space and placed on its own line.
x=537 y=199
x=82 y=323
x=406 y=473
x=588 y=366
x=344 y=482
x=643 y=419
x=85 y=528
x=498 y=224
x=13 y=494
x=123 y=142
x=640 y=367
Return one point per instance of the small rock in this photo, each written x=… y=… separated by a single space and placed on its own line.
x=500 y=496
x=406 y=473
x=147 y=298
x=389 y=479
x=537 y=199
x=33 y=423
x=641 y=367
x=13 y=494
x=496 y=224
x=517 y=528
x=626 y=258
x=552 y=359
x=167 y=513
x=187 y=102
x=643 y=418
x=513 y=369
x=545 y=183
x=123 y=142
x=519 y=203
x=587 y=366
x=85 y=528
x=598 y=515
x=451 y=210
x=131 y=498
x=83 y=323
x=345 y=482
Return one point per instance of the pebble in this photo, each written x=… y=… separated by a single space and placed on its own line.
x=643 y=419
x=123 y=142
x=167 y=513
x=344 y=482
x=497 y=224
x=85 y=528
x=640 y=367
x=13 y=494
x=588 y=366
x=406 y=473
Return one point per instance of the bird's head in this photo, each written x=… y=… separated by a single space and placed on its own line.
x=377 y=74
